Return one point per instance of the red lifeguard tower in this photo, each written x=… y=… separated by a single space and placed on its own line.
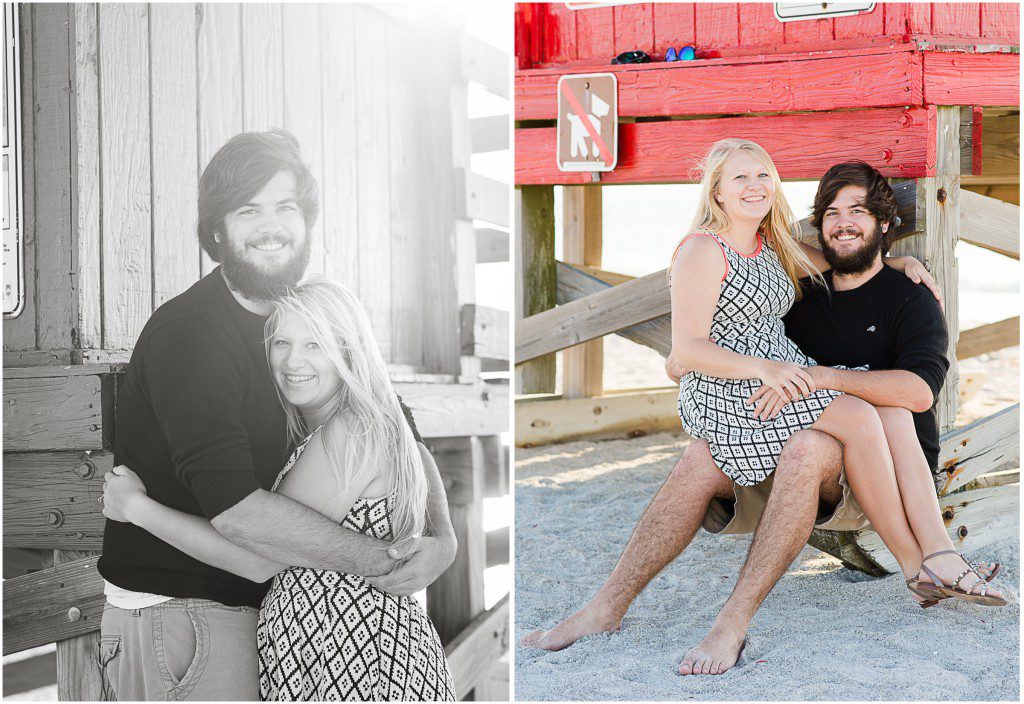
x=928 y=94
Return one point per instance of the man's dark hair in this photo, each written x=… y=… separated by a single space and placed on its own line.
x=880 y=200
x=240 y=169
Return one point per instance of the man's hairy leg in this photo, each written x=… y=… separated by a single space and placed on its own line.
x=666 y=527
x=810 y=463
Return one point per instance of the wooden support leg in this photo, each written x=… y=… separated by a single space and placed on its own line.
x=582 y=365
x=495 y=467
x=535 y=276
x=458 y=595
x=939 y=197
x=78 y=672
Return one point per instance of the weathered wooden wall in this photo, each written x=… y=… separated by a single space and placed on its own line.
x=126 y=103
x=551 y=34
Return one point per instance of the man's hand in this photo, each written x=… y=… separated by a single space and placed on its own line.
x=121 y=489
x=431 y=557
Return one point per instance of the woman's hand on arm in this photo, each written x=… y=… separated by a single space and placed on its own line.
x=918 y=273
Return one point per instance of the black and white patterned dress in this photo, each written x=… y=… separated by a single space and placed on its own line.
x=755 y=294
x=329 y=636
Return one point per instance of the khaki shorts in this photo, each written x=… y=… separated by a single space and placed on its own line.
x=182 y=649
x=742 y=514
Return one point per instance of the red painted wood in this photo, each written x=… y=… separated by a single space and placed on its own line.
x=972 y=79
x=560 y=33
x=673 y=26
x=595 y=35
x=977 y=120
x=956 y=19
x=634 y=28
x=804 y=31
x=522 y=21
x=902 y=18
x=759 y=27
x=774 y=84
x=871 y=24
x=900 y=143
x=1001 y=21
x=717 y=26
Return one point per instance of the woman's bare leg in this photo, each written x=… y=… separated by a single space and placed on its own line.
x=920 y=500
x=872 y=477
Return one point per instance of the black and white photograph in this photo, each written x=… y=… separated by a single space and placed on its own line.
x=257 y=298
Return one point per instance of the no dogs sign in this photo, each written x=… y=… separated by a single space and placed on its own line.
x=588 y=117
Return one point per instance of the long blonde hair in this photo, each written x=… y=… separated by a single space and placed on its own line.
x=379 y=435
x=776 y=224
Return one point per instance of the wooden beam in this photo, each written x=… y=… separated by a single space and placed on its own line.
x=474 y=650
x=988 y=338
x=485 y=332
x=535 y=276
x=38 y=607
x=897 y=142
x=939 y=221
x=35 y=358
x=491 y=245
x=497 y=541
x=485 y=64
x=990 y=223
x=51 y=499
x=1000 y=145
x=577 y=282
x=787 y=83
x=458 y=594
x=486 y=199
x=977 y=449
x=489 y=134
x=582 y=365
x=596 y=315
x=52 y=413
x=58 y=372
x=457 y=410
x=974 y=519
x=971 y=79
x=79 y=678
x=496 y=466
x=612 y=415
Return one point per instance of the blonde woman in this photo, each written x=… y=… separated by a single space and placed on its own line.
x=732 y=281
x=326 y=635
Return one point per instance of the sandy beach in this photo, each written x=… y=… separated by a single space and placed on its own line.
x=824 y=633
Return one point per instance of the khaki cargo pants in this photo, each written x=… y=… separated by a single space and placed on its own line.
x=182 y=649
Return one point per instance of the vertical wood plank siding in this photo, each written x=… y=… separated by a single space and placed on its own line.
x=175 y=149
x=125 y=104
x=219 y=49
x=125 y=172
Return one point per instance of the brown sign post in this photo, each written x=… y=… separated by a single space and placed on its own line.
x=588 y=116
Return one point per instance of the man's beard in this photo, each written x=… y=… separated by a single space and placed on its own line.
x=857 y=262
x=257 y=283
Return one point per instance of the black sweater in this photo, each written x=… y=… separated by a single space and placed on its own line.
x=888 y=322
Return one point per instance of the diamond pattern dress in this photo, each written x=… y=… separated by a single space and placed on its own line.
x=755 y=294
x=329 y=636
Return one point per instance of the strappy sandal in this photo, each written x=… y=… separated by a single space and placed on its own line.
x=938 y=589
x=931 y=595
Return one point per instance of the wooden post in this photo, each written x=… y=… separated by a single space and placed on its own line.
x=535 y=276
x=582 y=365
x=939 y=212
x=78 y=673
x=455 y=599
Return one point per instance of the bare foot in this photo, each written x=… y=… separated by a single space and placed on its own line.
x=591 y=619
x=718 y=652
